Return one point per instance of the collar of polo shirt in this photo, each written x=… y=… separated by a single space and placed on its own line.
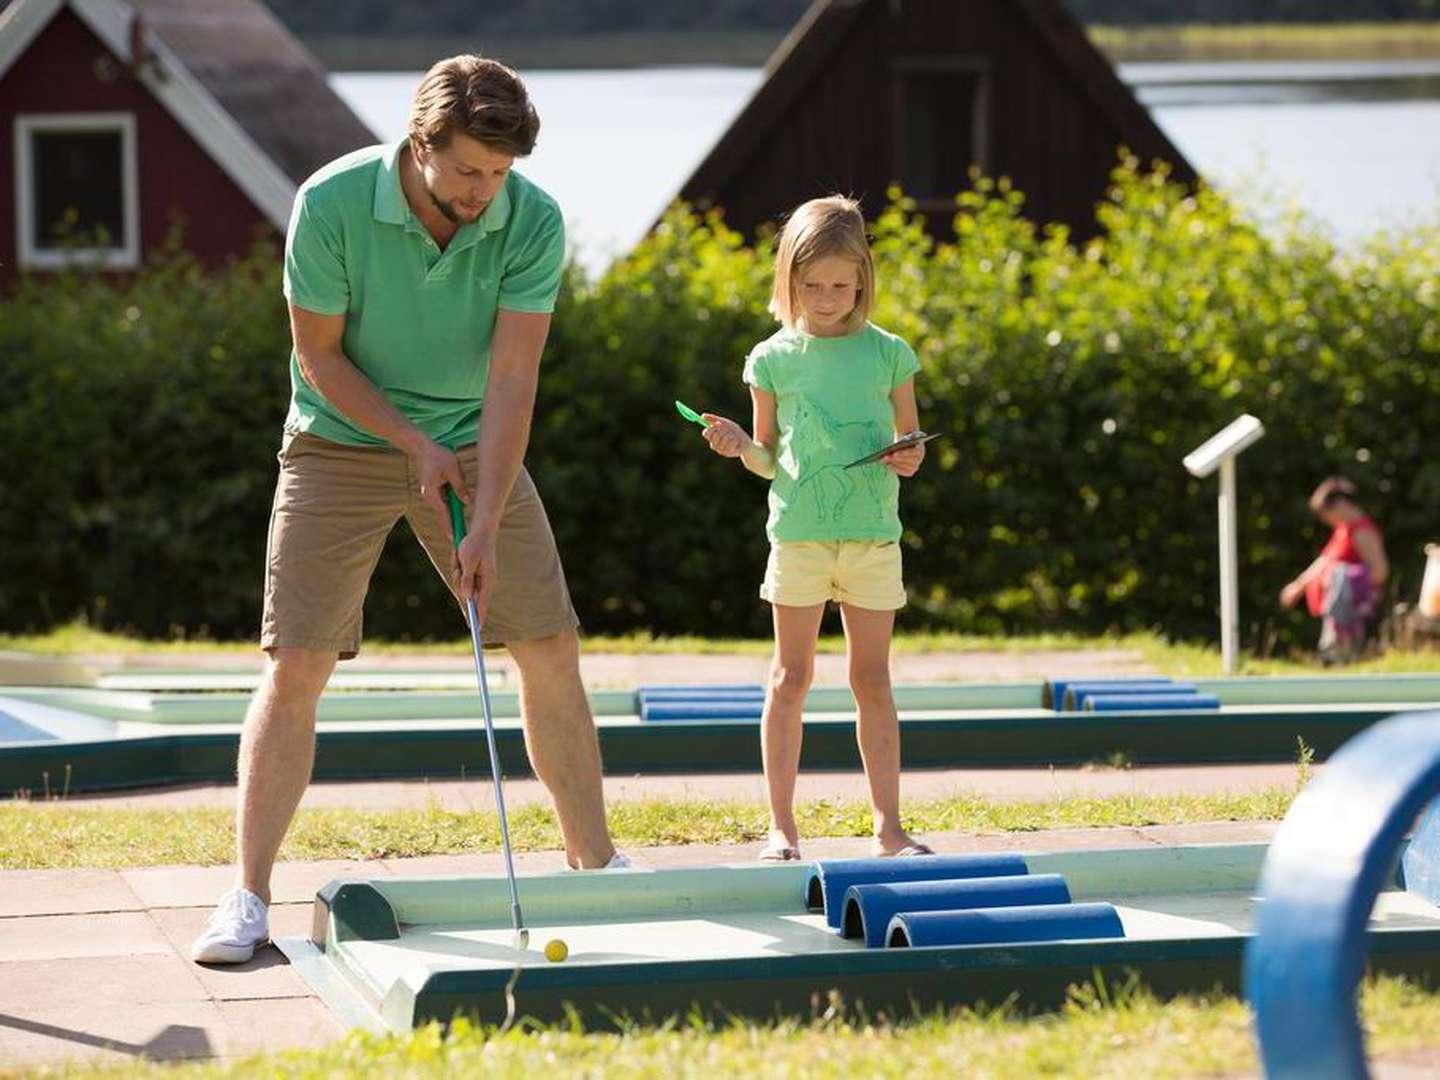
x=392 y=208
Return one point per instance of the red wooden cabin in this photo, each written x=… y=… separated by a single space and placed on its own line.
x=864 y=94
x=122 y=119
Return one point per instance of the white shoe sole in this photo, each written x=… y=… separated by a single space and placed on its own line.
x=216 y=953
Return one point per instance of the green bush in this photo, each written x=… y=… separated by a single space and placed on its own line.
x=141 y=418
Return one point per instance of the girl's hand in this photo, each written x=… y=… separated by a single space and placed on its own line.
x=725 y=437
x=905 y=462
x=1291 y=594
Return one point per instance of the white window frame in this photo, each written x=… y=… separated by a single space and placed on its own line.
x=124 y=256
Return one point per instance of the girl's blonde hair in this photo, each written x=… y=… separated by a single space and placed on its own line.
x=819 y=228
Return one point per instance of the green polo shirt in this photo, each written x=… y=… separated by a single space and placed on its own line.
x=832 y=406
x=418 y=320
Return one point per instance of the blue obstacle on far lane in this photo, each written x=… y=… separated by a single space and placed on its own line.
x=700 y=691
x=1149 y=702
x=701 y=710
x=1052 y=691
x=1076 y=693
x=869 y=908
x=997 y=926
x=828 y=880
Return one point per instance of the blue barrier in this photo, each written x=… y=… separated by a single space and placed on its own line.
x=1149 y=702
x=1076 y=693
x=826 y=885
x=1052 y=691
x=701 y=710
x=996 y=926
x=869 y=908
x=1329 y=860
x=700 y=691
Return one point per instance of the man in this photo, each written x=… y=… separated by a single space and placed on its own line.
x=420 y=279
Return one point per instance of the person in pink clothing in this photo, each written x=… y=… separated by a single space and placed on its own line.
x=1343 y=585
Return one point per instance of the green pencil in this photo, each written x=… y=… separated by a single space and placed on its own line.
x=689 y=413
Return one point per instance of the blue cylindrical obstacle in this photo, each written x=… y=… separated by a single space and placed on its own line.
x=996 y=926
x=1149 y=702
x=701 y=710
x=1076 y=693
x=701 y=693
x=825 y=889
x=1052 y=691
x=869 y=908
x=1329 y=860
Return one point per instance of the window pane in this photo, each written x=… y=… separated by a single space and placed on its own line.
x=79 y=189
x=939 y=132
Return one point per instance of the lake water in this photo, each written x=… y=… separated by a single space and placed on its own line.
x=1357 y=144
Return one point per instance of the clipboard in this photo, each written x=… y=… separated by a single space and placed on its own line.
x=915 y=438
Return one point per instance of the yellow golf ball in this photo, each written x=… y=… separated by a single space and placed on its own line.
x=556 y=950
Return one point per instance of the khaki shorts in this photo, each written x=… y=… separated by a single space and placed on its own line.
x=334 y=507
x=861 y=573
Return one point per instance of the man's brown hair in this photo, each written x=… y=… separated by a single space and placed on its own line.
x=477 y=97
x=1332 y=490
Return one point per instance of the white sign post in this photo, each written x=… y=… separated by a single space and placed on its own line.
x=1220 y=452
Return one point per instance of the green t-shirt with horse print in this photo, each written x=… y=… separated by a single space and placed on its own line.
x=832 y=401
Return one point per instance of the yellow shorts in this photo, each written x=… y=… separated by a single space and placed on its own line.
x=861 y=573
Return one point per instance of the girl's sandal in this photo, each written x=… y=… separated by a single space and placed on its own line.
x=907 y=851
x=914 y=849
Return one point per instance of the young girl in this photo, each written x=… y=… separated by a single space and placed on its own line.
x=829 y=387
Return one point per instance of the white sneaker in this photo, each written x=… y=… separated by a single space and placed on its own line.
x=618 y=861
x=621 y=861
x=239 y=925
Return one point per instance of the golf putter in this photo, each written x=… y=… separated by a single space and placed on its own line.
x=522 y=935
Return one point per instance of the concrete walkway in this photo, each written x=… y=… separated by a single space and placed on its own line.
x=93 y=966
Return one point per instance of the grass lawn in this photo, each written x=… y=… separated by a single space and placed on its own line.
x=1171 y=658
x=52 y=834
x=1100 y=1033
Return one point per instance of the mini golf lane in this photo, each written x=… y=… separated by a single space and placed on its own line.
x=101 y=739
x=743 y=940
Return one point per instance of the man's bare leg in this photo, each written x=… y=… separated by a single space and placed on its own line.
x=277 y=753
x=563 y=746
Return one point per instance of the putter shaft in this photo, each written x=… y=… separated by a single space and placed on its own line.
x=522 y=936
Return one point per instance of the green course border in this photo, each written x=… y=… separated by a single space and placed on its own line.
x=396 y=706
x=228 y=707
x=895 y=981
x=412 y=751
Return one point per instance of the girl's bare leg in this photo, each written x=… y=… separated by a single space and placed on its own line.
x=791 y=671
x=867 y=640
